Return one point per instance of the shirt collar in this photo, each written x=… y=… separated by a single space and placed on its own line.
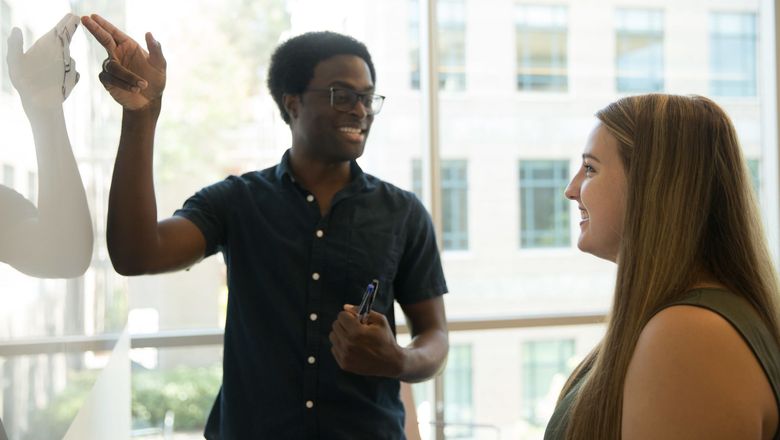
x=360 y=180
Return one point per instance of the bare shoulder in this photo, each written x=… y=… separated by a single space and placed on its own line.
x=692 y=375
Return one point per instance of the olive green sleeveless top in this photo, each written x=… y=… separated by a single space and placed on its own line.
x=737 y=311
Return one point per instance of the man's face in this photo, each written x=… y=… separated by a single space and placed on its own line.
x=322 y=131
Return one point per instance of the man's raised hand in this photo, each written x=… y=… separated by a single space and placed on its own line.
x=133 y=76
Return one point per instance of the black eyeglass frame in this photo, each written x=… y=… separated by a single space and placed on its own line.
x=371 y=101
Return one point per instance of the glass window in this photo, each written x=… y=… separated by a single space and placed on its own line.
x=5 y=31
x=544 y=212
x=733 y=54
x=542 y=52
x=545 y=366
x=489 y=128
x=9 y=176
x=454 y=193
x=639 y=56
x=172 y=395
x=754 y=166
x=452 y=44
x=458 y=397
x=417 y=188
x=32 y=186
x=414 y=44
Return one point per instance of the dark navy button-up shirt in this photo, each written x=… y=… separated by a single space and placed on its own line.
x=290 y=270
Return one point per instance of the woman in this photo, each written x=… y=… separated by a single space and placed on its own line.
x=691 y=347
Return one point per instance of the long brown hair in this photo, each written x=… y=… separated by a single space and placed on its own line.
x=690 y=209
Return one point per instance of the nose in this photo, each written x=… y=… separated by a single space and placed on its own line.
x=572 y=191
x=359 y=110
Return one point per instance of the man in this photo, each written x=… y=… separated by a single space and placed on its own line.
x=301 y=241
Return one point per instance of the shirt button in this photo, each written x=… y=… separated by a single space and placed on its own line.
x=311 y=360
x=309 y=404
x=315 y=276
x=310 y=198
x=319 y=233
x=313 y=317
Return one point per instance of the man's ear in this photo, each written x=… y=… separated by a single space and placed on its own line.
x=291 y=104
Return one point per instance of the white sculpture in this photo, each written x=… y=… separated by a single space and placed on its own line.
x=54 y=239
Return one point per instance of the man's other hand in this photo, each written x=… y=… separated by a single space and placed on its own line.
x=365 y=348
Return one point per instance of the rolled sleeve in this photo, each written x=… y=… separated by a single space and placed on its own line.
x=420 y=274
x=206 y=209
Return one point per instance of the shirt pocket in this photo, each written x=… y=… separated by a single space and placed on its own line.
x=372 y=255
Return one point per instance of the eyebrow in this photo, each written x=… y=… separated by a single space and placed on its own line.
x=350 y=87
x=590 y=156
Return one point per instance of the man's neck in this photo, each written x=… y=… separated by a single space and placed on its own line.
x=316 y=174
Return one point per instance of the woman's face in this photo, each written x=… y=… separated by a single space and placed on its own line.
x=599 y=188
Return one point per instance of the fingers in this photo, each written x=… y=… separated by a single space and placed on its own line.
x=101 y=35
x=338 y=340
x=105 y=80
x=156 y=58
x=118 y=36
x=348 y=320
x=15 y=41
x=335 y=341
x=376 y=318
x=115 y=75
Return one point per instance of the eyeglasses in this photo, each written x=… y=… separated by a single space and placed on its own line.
x=344 y=100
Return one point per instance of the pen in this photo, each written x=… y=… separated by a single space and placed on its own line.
x=368 y=300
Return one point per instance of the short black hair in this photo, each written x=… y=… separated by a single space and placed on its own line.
x=293 y=62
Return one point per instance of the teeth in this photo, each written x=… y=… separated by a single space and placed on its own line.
x=350 y=130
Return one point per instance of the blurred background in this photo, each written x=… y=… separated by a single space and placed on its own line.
x=518 y=82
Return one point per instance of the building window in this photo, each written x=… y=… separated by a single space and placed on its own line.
x=754 y=167
x=545 y=367
x=544 y=211
x=32 y=186
x=639 y=38
x=458 y=396
x=5 y=31
x=8 y=175
x=733 y=54
x=414 y=44
x=451 y=19
x=454 y=199
x=541 y=39
x=452 y=44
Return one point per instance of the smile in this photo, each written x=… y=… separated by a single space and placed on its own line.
x=352 y=130
x=353 y=134
x=584 y=217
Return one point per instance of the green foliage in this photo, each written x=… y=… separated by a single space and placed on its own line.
x=53 y=420
x=188 y=392
x=254 y=27
x=216 y=69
